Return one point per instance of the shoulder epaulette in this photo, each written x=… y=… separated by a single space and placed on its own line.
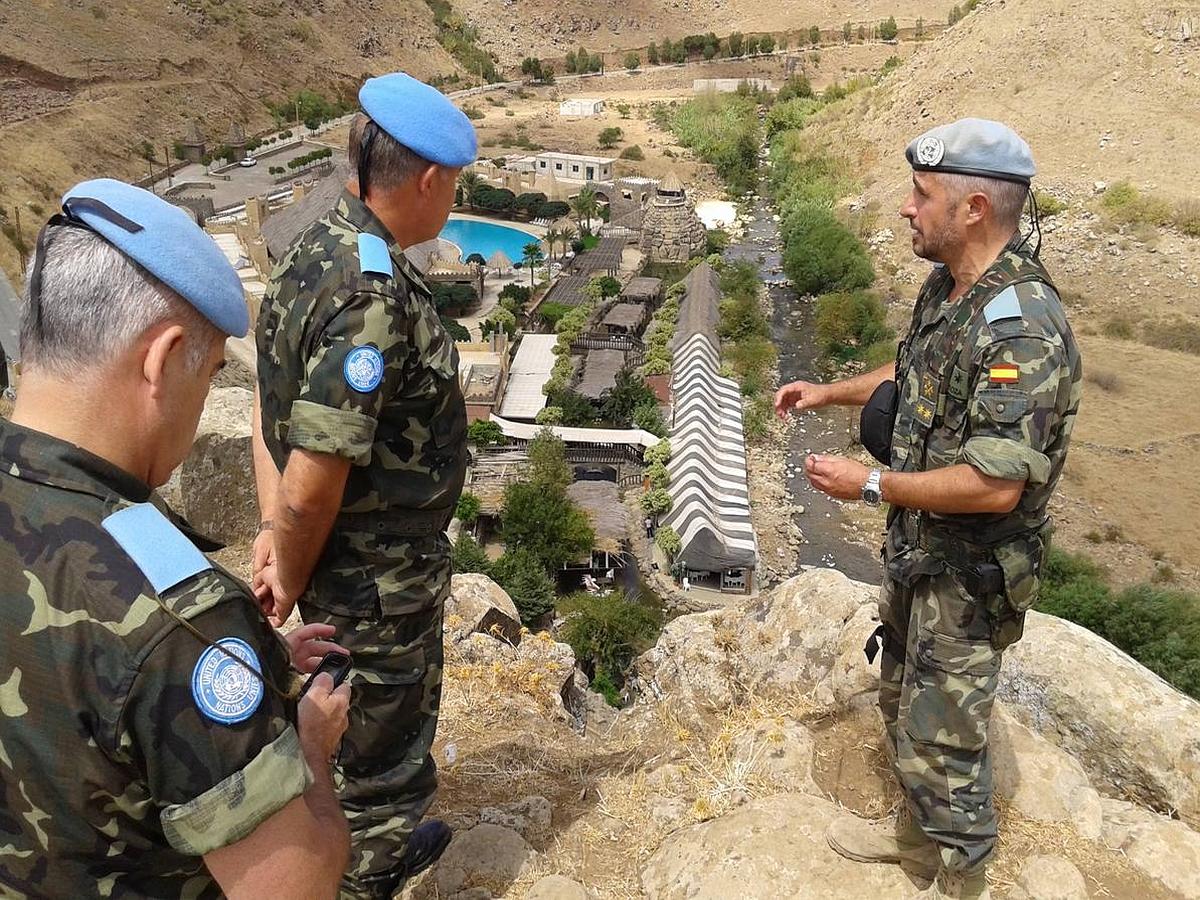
x=1005 y=305
x=163 y=553
x=373 y=255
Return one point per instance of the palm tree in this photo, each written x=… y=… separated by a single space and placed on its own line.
x=566 y=234
x=532 y=256
x=552 y=237
x=584 y=206
x=470 y=182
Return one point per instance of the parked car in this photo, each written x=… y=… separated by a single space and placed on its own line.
x=248 y=162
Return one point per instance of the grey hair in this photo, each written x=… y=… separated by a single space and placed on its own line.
x=392 y=163
x=1007 y=197
x=96 y=303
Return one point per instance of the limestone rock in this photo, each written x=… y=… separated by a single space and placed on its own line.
x=688 y=664
x=481 y=649
x=486 y=853
x=767 y=849
x=478 y=604
x=1049 y=878
x=557 y=887
x=1041 y=781
x=216 y=480
x=552 y=664
x=782 y=755
x=1133 y=732
x=1161 y=848
x=530 y=817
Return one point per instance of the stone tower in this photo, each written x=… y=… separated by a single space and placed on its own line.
x=236 y=142
x=671 y=230
x=193 y=145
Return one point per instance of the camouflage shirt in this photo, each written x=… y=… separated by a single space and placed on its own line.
x=354 y=361
x=992 y=379
x=115 y=781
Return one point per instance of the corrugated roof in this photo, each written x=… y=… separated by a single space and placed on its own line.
x=530 y=370
x=284 y=226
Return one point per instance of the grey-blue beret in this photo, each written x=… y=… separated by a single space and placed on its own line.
x=973 y=147
x=166 y=242
x=421 y=118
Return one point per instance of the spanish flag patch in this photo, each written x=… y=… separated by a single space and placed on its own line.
x=1004 y=374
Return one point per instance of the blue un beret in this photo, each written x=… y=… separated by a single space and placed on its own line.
x=421 y=118
x=166 y=242
x=973 y=147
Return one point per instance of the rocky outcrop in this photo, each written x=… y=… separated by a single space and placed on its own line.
x=484 y=855
x=1049 y=878
x=216 y=481
x=478 y=604
x=1163 y=849
x=766 y=849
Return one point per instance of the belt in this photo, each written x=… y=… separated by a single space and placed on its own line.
x=399 y=522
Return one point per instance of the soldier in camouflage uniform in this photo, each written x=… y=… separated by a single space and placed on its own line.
x=986 y=386
x=151 y=744
x=358 y=385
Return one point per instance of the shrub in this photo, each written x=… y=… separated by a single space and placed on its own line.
x=648 y=417
x=659 y=453
x=1175 y=333
x=790 y=114
x=668 y=541
x=552 y=209
x=468 y=557
x=526 y=582
x=822 y=254
x=552 y=313
x=483 y=433
x=724 y=131
x=1124 y=204
x=473 y=112
x=888 y=29
x=767 y=43
x=1048 y=205
x=610 y=137
x=468 y=507
x=606 y=633
x=632 y=62
x=656 y=502
x=1118 y=326
x=633 y=152
x=850 y=322
x=658 y=475
x=1187 y=217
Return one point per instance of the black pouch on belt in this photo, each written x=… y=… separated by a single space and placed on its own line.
x=877 y=421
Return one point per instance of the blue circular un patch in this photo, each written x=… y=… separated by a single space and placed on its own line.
x=363 y=368
x=223 y=690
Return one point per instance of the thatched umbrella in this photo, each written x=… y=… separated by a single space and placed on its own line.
x=500 y=263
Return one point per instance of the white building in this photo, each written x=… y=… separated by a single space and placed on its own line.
x=581 y=106
x=730 y=85
x=573 y=167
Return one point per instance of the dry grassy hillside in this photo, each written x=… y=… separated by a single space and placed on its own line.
x=82 y=84
x=1107 y=95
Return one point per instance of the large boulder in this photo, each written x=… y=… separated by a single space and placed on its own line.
x=1049 y=878
x=1043 y=782
x=486 y=854
x=1163 y=849
x=216 y=481
x=767 y=849
x=478 y=604
x=1135 y=734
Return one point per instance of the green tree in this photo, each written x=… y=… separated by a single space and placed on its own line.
x=571 y=65
x=658 y=475
x=822 y=255
x=533 y=257
x=610 y=137
x=846 y=32
x=668 y=541
x=606 y=633
x=767 y=43
x=888 y=29
x=483 y=433
x=652 y=54
x=814 y=36
x=524 y=579
x=632 y=62
x=548 y=461
x=606 y=286
x=539 y=518
x=752 y=46
x=919 y=30
x=659 y=453
x=577 y=411
x=499 y=319
x=467 y=556
x=862 y=33
x=736 y=43
x=468 y=507
x=584 y=205
x=648 y=417
x=656 y=502
x=455 y=329
x=623 y=110
x=551 y=238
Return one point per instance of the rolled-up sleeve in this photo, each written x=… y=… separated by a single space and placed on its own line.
x=344 y=391
x=1012 y=413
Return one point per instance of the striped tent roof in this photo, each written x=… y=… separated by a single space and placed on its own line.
x=710 y=497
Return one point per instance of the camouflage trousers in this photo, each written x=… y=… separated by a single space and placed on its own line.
x=386 y=776
x=938 y=681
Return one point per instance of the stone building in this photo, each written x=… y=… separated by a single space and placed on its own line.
x=671 y=230
x=236 y=142
x=193 y=145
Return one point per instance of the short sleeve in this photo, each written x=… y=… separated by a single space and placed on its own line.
x=1013 y=410
x=357 y=364
x=219 y=753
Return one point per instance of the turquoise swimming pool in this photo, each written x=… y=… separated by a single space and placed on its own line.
x=485 y=238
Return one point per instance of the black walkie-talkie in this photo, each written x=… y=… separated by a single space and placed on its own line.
x=336 y=664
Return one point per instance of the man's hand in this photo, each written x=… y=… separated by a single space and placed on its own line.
x=309 y=644
x=264 y=551
x=322 y=718
x=274 y=598
x=799 y=396
x=840 y=478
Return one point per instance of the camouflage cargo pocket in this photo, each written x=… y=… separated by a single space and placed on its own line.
x=953 y=688
x=1022 y=560
x=388 y=695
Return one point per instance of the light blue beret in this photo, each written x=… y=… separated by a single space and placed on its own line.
x=421 y=118
x=973 y=147
x=166 y=242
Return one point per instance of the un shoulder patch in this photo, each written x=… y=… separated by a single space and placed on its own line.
x=363 y=368
x=373 y=255
x=1005 y=305
x=222 y=688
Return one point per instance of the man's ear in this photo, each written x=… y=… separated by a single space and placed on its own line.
x=978 y=206
x=165 y=351
x=427 y=182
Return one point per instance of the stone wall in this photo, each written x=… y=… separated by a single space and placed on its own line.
x=672 y=233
